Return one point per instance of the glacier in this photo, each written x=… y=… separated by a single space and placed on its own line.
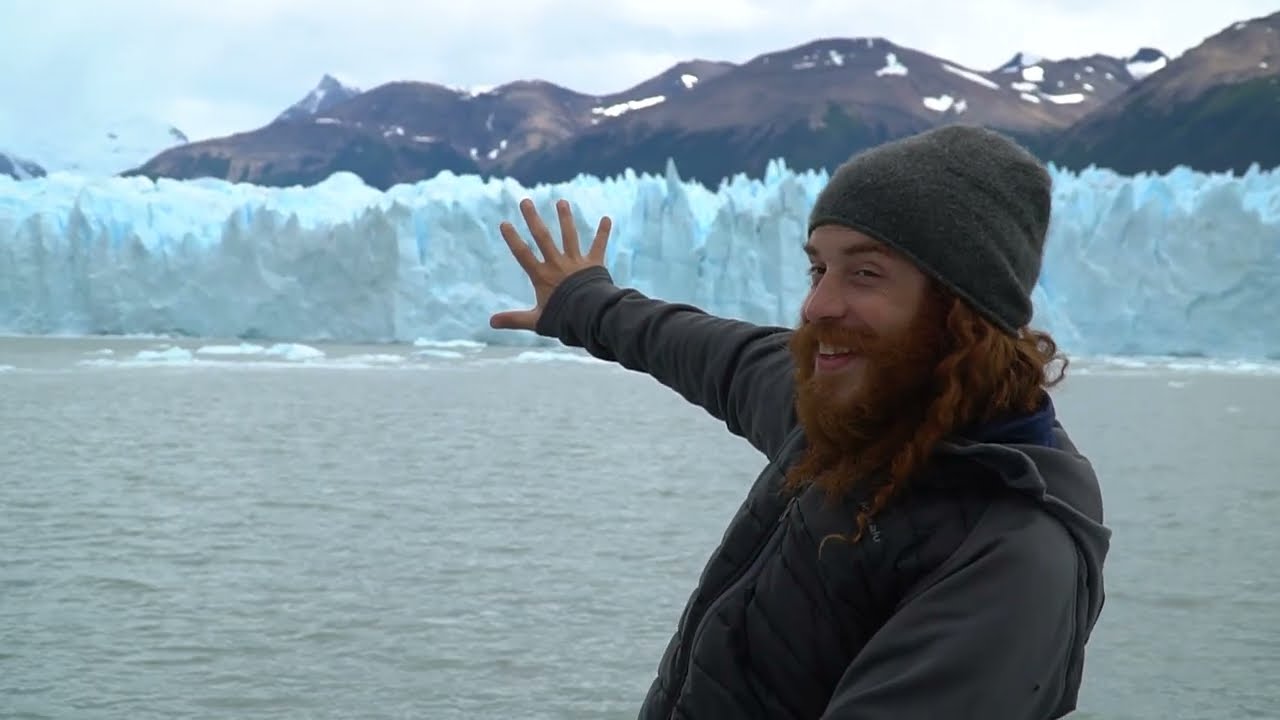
x=1180 y=264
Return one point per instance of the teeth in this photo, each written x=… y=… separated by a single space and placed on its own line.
x=826 y=349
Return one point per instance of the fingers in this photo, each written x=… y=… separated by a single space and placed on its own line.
x=546 y=245
x=541 y=235
x=568 y=231
x=519 y=248
x=514 y=320
x=601 y=241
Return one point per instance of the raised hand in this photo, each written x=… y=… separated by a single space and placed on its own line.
x=555 y=266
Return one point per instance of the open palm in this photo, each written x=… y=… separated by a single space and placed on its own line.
x=556 y=264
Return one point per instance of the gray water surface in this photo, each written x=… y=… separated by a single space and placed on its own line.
x=455 y=533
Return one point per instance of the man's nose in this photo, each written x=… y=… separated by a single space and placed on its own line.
x=824 y=301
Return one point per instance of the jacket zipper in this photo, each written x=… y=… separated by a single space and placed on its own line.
x=743 y=575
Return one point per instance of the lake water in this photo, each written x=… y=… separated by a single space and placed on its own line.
x=462 y=532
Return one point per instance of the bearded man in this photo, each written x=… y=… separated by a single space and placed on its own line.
x=925 y=541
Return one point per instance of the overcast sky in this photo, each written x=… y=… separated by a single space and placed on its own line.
x=212 y=67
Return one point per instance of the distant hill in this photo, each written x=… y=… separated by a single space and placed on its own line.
x=1215 y=108
x=823 y=101
x=808 y=104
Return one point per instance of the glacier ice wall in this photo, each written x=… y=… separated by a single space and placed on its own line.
x=1179 y=264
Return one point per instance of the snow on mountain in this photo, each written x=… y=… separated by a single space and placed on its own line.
x=1146 y=62
x=473 y=90
x=1071 y=80
x=329 y=92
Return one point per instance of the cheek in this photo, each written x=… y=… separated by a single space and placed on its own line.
x=879 y=314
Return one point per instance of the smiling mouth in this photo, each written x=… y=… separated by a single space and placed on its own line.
x=831 y=358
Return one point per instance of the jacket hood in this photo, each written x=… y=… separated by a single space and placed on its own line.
x=1033 y=454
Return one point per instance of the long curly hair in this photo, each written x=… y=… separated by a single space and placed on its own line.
x=966 y=372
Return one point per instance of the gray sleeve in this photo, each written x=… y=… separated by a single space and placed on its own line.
x=738 y=372
x=988 y=636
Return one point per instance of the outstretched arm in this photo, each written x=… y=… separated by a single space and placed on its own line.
x=738 y=372
x=998 y=634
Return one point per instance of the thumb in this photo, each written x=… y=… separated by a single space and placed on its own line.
x=515 y=320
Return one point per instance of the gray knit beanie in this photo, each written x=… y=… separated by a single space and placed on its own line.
x=968 y=205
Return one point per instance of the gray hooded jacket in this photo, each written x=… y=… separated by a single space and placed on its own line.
x=972 y=596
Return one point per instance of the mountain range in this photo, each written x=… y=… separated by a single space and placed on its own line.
x=1213 y=108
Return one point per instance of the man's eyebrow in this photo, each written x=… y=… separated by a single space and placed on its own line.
x=862 y=248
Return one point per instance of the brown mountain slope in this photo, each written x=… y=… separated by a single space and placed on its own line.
x=815 y=104
x=811 y=105
x=1215 y=108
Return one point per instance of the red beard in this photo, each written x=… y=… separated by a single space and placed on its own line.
x=852 y=433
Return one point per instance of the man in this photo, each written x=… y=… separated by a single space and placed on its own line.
x=925 y=541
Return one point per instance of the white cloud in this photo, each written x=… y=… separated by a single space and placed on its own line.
x=218 y=67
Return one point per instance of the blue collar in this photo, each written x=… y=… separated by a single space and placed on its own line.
x=1035 y=428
